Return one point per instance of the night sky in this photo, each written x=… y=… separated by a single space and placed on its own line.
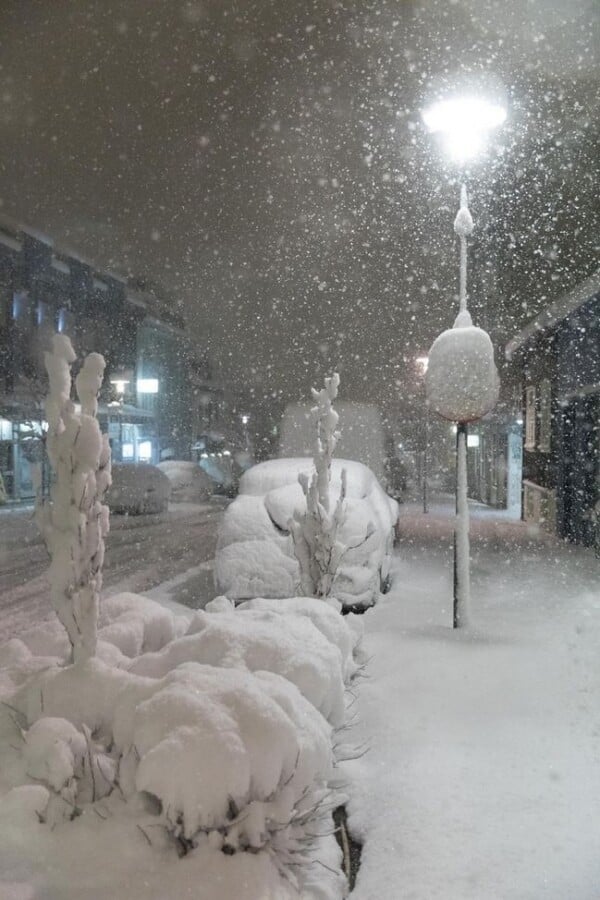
x=266 y=161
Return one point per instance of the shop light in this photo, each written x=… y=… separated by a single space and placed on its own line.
x=147 y=385
x=145 y=451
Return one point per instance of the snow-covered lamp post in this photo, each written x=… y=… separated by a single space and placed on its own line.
x=462 y=381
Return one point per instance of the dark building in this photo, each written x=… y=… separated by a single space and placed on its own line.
x=556 y=357
x=150 y=391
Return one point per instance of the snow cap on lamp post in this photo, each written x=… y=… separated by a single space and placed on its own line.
x=462 y=381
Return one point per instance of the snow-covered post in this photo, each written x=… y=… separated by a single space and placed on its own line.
x=74 y=521
x=462 y=385
x=315 y=531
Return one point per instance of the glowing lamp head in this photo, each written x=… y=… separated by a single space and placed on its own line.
x=464 y=123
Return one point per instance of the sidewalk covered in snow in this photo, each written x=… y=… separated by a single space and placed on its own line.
x=482 y=777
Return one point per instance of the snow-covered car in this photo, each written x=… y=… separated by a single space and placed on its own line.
x=255 y=553
x=138 y=489
x=189 y=483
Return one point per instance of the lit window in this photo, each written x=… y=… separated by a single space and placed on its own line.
x=19 y=305
x=530 y=418
x=127 y=451
x=147 y=385
x=545 y=416
x=6 y=432
x=472 y=440
x=145 y=451
x=41 y=312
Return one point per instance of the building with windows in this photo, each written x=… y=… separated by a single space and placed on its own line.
x=556 y=358
x=148 y=400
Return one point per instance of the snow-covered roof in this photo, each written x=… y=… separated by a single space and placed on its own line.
x=559 y=310
x=136 y=299
x=9 y=240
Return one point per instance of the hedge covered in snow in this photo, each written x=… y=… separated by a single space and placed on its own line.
x=204 y=738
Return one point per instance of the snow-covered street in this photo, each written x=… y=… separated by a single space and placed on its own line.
x=142 y=552
x=482 y=779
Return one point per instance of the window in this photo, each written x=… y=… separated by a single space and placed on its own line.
x=545 y=416
x=20 y=306
x=530 y=418
x=41 y=312
x=145 y=451
x=6 y=430
x=63 y=320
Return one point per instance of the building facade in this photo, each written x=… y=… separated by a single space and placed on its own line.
x=148 y=399
x=556 y=357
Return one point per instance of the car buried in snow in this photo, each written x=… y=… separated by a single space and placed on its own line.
x=255 y=552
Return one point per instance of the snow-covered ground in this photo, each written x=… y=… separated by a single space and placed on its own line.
x=482 y=777
x=482 y=781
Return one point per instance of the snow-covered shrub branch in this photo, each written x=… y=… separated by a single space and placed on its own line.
x=74 y=521
x=73 y=768
x=315 y=530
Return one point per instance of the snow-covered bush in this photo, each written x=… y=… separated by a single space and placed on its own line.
x=226 y=752
x=74 y=521
x=258 y=640
x=215 y=744
x=315 y=528
x=136 y=625
x=235 y=761
x=324 y=616
x=70 y=764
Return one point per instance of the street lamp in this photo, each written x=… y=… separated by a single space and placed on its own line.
x=245 y=420
x=462 y=380
x=464 y=123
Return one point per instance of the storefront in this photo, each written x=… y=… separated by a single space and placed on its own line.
x=21 y=449
x=131 y=432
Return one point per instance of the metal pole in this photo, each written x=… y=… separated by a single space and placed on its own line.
x=425 y=460
x=462 y=578
x=462 y=230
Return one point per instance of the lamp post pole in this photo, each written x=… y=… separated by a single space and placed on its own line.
x=463 y=227
x=423 y=362
x=426 y=460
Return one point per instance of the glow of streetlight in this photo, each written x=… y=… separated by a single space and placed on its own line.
x=464 y=123
x=423 y=362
